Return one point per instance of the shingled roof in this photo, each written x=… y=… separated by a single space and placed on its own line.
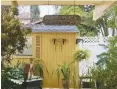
x=52 y=28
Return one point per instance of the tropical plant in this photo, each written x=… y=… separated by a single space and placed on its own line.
x=8 y=73
x=66 y=73
x=105 y=70
x=13 y=35
x=17 y=71
x=108 y=21
x=87 y=26
x=81 y=55
x=112 y=21
x=40 y=67
x=6 y=83
x=64 y=70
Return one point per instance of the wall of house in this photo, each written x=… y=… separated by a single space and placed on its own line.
x=53 y=54
x=96 y=46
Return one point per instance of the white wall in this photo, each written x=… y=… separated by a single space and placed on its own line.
x=95 y=49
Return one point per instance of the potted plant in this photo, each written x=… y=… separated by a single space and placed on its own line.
x=40 y=67
x=66 y=72
x=81 y=55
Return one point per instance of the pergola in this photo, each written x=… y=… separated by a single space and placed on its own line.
x=101 y=6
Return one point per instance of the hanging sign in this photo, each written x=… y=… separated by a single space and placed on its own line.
x=61 y=20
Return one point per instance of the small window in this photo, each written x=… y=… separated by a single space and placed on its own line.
x=38 y=48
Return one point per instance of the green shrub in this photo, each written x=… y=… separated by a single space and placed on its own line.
x=105 y=71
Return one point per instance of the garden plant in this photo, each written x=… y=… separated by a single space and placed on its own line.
x=105 y=70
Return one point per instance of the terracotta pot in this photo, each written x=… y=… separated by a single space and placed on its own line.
x=65 y=83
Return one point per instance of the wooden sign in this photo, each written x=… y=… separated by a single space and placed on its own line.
x=61 y=20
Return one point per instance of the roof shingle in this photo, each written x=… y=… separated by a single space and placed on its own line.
x=52 y=28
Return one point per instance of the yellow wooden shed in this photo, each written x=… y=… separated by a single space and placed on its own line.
x=54 y=44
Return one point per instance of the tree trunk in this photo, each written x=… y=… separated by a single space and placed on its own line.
x=103 y=24
x=113 y=32
x=105 y=27
x=101 y=30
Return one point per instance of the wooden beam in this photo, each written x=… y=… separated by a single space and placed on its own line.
x=101 y=9
x=52 y=2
